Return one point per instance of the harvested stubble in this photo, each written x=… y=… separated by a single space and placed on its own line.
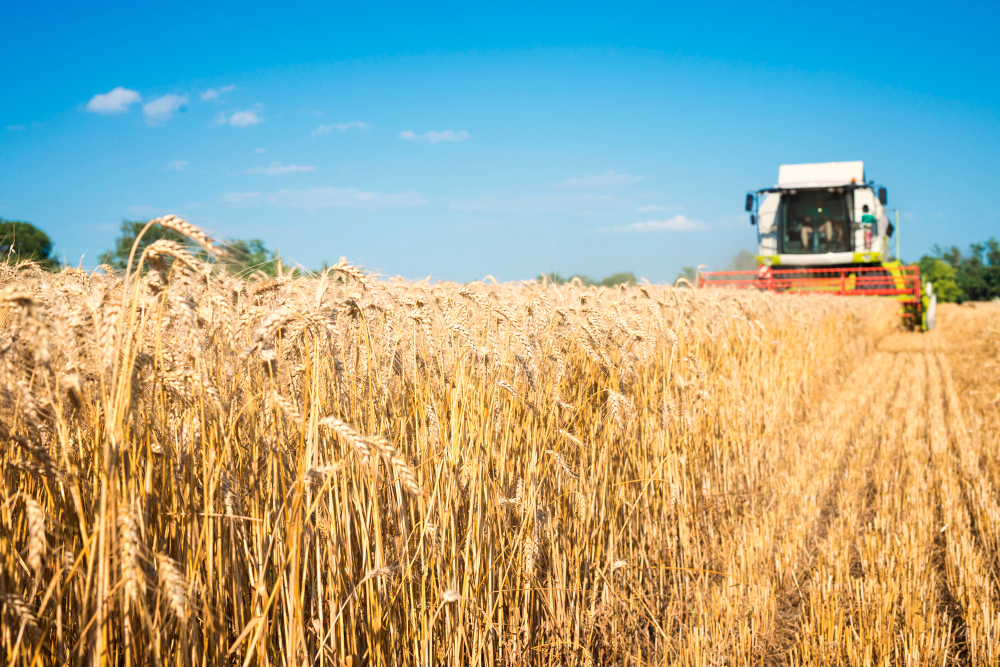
x=345 y=470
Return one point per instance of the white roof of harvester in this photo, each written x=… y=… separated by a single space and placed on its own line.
x=820 y=174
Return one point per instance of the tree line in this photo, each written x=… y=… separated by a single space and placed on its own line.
x=969 y=276
x=614 y=280
x=957 y=276
x=21 y=241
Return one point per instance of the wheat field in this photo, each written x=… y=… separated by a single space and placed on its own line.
x=341 y=469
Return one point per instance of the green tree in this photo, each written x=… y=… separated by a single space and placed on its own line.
x=942 y=275
x=117 y=256
x=22 y=240
x=977 y=274
x=247 y=256
x=615 y=279
x=992 y=272
x=244 y=255
x=688 y=273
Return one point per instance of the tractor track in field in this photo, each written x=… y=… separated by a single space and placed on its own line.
x=888 y=463
x=955 y=424
x=879 y=541
x=968 y=472
x=792 y=603
x=936 y=407
x=824 y=486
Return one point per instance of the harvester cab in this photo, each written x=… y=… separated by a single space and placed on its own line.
x=824 y=228
x=821 y=215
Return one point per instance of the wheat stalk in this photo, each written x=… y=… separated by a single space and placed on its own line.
x=185 y=228
x=129 y=546
x=37 y=543
x=173 y=588
x=732 y=463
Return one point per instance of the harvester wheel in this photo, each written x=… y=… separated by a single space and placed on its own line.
x=913 y=315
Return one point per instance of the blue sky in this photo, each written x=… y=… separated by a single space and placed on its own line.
x=458 y=141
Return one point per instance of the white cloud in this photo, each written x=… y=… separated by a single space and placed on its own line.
x=324 y=130
x=15 y=128
x=260 y=150
x=240 y=119
x=276 y=168
x=434 y=136
x=678 y=223
x=116 y=100
x=162 y=108
x=215 y=93
x=239 y=197
x=608 y=178
x=446 y=135
x=177 y=165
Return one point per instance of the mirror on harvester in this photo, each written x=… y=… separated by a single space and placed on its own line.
x=882 y=196
x=753 y=219
x=749 y=202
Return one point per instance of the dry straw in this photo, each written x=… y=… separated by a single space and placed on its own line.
x=217 y=469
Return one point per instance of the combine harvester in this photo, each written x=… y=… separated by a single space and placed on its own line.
x=823 y=229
